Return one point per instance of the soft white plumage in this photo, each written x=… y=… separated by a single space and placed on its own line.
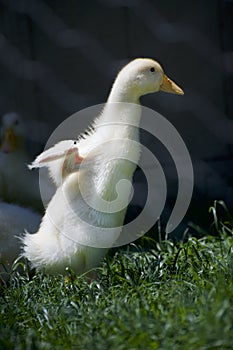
x=72 y=221
x=50 y=248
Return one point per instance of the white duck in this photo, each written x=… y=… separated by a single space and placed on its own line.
x=17 y=183
x=13 y=220
x=82 y=215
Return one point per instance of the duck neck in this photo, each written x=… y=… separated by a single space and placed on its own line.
x=123 y=92
x=122 y=107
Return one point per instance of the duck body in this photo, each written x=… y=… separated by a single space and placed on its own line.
x=86 y=214
x=51 y=250
x=73 y=230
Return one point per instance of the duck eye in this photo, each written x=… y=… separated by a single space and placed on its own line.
x=75 y=142
x=16 y=122
x=152 y=69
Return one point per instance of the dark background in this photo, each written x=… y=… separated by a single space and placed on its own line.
x=57 y=57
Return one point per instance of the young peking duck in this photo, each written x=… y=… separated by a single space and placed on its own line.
x=82 y=220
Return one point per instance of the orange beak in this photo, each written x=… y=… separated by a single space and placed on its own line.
x=8 y=141
x=169 y=86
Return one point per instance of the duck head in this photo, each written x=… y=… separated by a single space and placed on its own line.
x=12 y=133
x=140 y=77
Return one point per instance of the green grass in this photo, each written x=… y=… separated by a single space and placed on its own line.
x=168 y=296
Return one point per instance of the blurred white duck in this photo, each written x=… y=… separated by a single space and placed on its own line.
x=13 y=220
x=17 y=183
x=81 y=214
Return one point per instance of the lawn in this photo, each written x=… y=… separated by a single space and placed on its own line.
x=150 y=295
